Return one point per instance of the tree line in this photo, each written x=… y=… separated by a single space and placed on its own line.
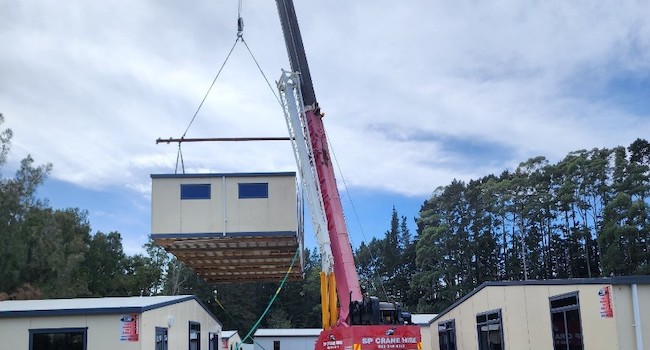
x=584 y=216
x=53 y=253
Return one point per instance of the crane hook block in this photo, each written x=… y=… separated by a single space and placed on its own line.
x=240 y=27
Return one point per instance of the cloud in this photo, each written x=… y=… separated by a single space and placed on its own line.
x=415 y=94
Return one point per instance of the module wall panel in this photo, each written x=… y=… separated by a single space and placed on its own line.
x=230 y=227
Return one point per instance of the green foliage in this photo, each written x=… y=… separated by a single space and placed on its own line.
x=17 y=202
x=585 y=216
x=278 y=318
x=297 y=305
x=385 y=265
x=5 y=141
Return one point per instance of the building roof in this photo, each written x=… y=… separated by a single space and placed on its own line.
x=91 y=306
x=422 y=319
x=228 y=334
x=288 y=332
x=615 y=280
x=203 y=175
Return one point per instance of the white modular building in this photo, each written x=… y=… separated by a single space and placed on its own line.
x=229 y=340
x=286 y=339
x=130 y=323
x=424 y=320
x=568 y=314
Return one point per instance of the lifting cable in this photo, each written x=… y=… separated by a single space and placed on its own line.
x=356 y=215
x=180 y=152
x=263 y=75
x=240 y=36
x=179 y=155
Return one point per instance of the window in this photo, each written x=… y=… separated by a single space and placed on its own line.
x=195 y=191
x=161 y=338
x=490 y=330
x=58 y=338
x=195 y=336
x=213 y=339
x=565 y=321
x=447 y=335
x=253 y=190
x=276 y=345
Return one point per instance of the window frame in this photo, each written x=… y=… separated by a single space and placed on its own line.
x=487 y=322
x=564 y=309
x=189 y=335
x=165 y=332
x=195 y=191
x=447 y=329
x=83 y=330
x=253 y=192
x=213 y=341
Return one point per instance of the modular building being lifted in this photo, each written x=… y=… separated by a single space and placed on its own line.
x=235 y=227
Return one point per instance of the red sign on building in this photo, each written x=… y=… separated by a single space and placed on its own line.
x=130 y=327
x=606 y=310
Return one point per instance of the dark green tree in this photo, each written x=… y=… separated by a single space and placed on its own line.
x=106 y=262
x=17 y=198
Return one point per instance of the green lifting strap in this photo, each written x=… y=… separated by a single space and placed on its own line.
x=270 y=302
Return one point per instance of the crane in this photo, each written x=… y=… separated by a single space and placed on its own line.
x=351 y=320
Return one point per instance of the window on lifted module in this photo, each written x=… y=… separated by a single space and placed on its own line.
x=195 y=191
x=58 y=338
x=253 y=190
x=276 y=345
x=565 y=322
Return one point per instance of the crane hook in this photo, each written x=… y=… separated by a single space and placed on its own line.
x=240 y=27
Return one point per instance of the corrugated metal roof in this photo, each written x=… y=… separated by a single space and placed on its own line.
x=90 y=306
x=422 y=318
x=288 y=332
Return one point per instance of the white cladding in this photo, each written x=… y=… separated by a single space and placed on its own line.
x=287 y=339
x=526 y=314
x=102 y=319
x=224 y=211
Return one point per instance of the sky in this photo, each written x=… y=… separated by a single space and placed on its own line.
x=415 y=94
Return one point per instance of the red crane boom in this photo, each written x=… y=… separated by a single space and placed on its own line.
x=363 y=322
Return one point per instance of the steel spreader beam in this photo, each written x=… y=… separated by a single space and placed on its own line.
x=227 y=139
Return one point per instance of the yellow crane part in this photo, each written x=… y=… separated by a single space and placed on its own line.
x=328 y=300
x=334 y=312
x=324 y=301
